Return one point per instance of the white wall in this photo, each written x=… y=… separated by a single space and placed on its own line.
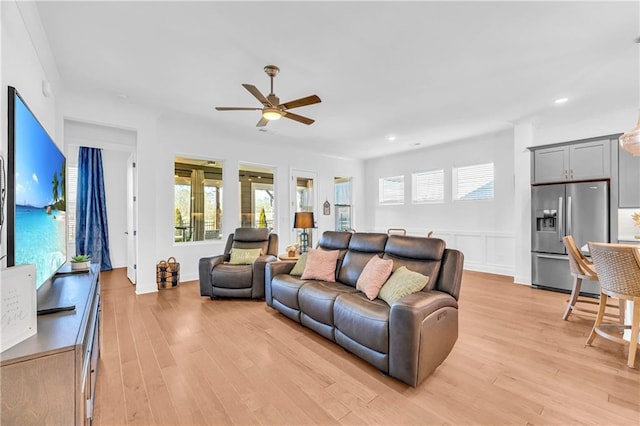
x=483 y=230
x=542 y=132
x=112 y=111
x=197 y=138
x=117 y=145
x=161 y=138
x=25 y=68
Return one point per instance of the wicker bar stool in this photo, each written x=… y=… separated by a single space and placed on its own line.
x=581 y=268
x=618 y=267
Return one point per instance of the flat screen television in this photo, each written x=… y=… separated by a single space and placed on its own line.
x=36 y=191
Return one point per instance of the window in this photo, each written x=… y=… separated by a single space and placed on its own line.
x=305 y=202
x=391 y=190
x=72 y=196
x=197 y=200
x=342 y=203
x=257 y=197
x=427 y=187
x=473 y=182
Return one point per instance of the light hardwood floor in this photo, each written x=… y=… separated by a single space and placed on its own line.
x=177 y=358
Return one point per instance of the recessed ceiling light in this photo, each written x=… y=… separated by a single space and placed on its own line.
x=561 y=100
x=391 y=138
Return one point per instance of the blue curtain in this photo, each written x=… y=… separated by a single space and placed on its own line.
x=92 y=230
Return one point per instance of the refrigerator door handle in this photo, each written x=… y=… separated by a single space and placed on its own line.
x=560 y=220
x=569 y=215
x=552 y=256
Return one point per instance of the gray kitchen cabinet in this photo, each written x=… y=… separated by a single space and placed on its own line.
x=550 y=164
x=628 y=180
x=572 y=162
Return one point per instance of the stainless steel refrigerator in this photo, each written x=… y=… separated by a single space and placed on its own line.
x=577 y=209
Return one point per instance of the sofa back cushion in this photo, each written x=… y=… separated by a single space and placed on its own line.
x=333 y=240
x=419 y=254
x=251 y=238
x=362 y=247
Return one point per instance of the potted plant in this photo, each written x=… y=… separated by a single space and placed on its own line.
x=80 y=262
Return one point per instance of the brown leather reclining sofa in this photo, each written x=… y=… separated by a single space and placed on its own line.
x=407 y=340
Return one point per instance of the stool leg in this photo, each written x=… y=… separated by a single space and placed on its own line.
x=622 y=304
x=635 y=327
x=601 y=308
x=575 y=292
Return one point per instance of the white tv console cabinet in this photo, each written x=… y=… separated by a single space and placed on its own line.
x=50 y=378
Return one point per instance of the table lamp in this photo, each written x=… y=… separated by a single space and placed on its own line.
x=304 y=221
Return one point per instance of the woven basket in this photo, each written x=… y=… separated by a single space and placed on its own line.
x=168 y=273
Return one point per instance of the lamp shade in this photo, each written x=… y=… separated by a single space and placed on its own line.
x=303 y=220
x=630 y=141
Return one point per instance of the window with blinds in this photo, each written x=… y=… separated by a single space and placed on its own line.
x=427 y=187
x=342 y=203
x=473 y=182
x=391 y=190
x=72 y=190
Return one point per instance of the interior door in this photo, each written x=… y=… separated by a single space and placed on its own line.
x=132 y=218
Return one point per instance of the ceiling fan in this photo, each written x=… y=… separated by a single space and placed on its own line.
x=272 y=108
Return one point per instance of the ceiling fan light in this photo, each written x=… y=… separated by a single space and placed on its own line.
x=630 y=141
x=271 y=113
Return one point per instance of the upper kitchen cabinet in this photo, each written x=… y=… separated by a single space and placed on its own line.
x=550 y=164
x=628 y=180
x=572 y=162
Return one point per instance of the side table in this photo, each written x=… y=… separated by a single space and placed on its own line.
x=285 y=256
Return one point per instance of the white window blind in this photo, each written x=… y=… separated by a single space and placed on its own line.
x=473 y=182
x=427 y=187
x=391 y=190
x=72 y=190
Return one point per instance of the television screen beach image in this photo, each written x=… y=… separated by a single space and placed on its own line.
x=39 y=182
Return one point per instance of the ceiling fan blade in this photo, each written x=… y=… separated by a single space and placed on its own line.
x=299 y=118
x=255 y=92
x=263 y=122
x=237 y=109
x=309 y=100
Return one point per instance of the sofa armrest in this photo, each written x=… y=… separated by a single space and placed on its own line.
x=422 y=327
x=205 y=267
x=271 y=270
x=450 y=275
x=258 y=281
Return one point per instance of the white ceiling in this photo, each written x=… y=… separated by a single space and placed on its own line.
x=426 y=72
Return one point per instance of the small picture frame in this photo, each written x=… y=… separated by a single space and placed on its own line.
x=326 y=208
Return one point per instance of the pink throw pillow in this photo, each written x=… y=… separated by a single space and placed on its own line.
x=373 y=276
x=321 y=265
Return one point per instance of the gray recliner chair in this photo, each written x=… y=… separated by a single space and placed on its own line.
x=218 y=278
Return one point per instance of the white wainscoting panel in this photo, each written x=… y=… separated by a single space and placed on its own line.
x=491 y=252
